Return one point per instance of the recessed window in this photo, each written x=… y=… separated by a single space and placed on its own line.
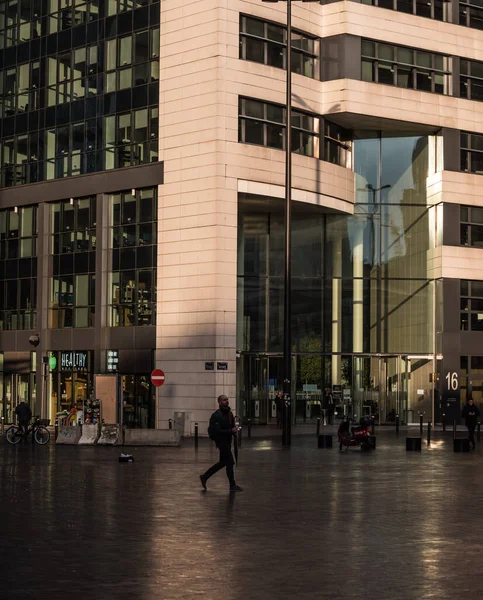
x=405 y=67
x=471 y=152
x=266 y=43
x=471 y=80
x=264 y=124
x=431 y=9
x=471 y=15
x=471 y=306
x=471 y=226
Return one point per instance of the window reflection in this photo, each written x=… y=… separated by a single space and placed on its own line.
x=133 y=277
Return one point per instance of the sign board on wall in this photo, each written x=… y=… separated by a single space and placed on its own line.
x=73 y=361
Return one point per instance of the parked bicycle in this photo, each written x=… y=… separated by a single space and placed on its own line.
x=41 y=435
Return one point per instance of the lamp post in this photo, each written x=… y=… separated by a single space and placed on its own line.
x=287 y=291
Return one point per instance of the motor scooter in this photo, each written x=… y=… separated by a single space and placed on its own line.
x=356 y=436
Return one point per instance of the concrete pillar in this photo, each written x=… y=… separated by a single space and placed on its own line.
x=103 y=255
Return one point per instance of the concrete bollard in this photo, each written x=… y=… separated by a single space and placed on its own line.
x=454 y=430
x=239 y=437
x=429 y=433
x=56 y=428
x=196 y=435
x=170 y=423
x=249 y=424
x=443 y=422
x=397 y=424
x=478 y=427
x=421 y=424
x=318 y=427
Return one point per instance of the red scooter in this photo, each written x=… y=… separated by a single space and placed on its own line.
x=356 y=436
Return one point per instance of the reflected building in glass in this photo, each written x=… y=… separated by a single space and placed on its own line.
x=142 y=207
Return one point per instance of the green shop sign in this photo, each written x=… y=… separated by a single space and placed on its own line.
x=52 y=361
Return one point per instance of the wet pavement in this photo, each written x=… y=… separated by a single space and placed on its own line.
x=385 y=525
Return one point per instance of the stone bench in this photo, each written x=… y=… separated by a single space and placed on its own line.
x=152 y=437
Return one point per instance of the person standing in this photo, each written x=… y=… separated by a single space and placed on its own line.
x=221 y=430
x=24 y=414
x=471 y=414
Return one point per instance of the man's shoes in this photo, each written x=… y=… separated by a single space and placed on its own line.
x=203 y=481
x=235 y=488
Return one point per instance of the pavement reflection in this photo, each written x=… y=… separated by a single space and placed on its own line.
x=387 y=525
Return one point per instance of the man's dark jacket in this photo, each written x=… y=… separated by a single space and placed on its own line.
x=470 y=414
x=23 y=412
x=220 y=428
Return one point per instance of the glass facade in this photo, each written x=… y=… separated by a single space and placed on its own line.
x=18 y=268
x=73 y=285
x=132 y=289
x=79 y=86
x=360 y=286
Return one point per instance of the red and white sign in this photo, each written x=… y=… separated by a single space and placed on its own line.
x=157 y=377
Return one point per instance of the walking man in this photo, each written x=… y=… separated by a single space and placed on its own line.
x=24 y=414
x=471 y=414
x=221 y=430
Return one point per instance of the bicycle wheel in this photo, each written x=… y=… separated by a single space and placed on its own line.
x=14 y=435
x=42 y=436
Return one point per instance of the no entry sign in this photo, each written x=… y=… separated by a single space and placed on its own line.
x=157 y=377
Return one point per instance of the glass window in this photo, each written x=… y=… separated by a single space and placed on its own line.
x=266 y=43
x=404 y=67
x=125 y=51
x=132 y=291
x=431 y=9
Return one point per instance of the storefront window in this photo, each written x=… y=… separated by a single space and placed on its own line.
x=70 y=379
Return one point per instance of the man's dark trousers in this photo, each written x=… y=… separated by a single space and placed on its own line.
x=226 y=460
x=24 y=426
x=471 y=435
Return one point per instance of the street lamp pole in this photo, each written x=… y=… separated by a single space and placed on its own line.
x=287 y=280
x=287 y=291
x=287 y=304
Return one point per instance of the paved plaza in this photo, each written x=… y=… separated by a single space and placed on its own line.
x=387 y=525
